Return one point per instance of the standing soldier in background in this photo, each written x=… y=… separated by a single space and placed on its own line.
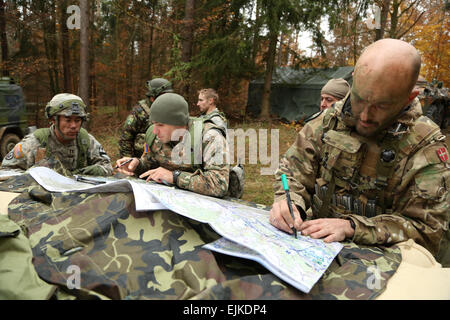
x=132 y=138
x=65 y=141
x=208 y=99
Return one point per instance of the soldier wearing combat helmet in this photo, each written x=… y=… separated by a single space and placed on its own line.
x=131 y=142
x=373 y=169
x=187 y=152
x=65 y=140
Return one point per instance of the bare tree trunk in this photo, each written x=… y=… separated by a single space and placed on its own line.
x=150 y=44
x=51 y=44
x=265 y=100
x=65 y=47
x=129 y=73
x=187 y=39
x=280 y=50
x=117 y=59
x=394 y=19
x=379 y=33
x=5 y=70
x=84 y=53
x=256 y=29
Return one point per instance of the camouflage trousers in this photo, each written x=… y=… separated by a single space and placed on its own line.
x=99 y=246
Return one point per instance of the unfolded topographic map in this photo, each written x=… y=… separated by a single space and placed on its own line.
x=246 y=230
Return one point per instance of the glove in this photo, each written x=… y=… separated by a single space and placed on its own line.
x=93 y=170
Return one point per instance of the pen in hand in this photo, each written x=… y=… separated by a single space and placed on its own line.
x=124 y=163
x=288 y=198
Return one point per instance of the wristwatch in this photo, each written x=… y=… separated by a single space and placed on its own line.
x=175 y=175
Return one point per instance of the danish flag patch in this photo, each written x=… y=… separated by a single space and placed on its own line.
x=18 y=154
x=442 y=154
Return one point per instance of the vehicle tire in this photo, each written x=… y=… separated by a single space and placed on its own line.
x=8 y=142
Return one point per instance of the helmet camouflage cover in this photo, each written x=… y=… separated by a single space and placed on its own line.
x=65 y=104
x=158 y=86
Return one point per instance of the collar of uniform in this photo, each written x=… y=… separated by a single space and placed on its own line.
x=215 y=110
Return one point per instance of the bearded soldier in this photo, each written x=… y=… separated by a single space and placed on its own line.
x=65 y=140
x=131 y=142
x=190 y=153
x=373 y=169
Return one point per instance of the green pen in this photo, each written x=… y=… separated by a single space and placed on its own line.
x=288 y=198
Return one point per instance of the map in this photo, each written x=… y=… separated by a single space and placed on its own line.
x=246 y=230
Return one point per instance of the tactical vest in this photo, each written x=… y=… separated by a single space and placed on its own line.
x=340 y=188
x=218 y=118
x=83 y=143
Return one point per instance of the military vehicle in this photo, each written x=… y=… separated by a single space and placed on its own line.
x=436 y=103
x=13 y=116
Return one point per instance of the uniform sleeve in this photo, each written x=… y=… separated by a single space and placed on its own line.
x=97 y=156
x=213 y=177
x=421 y=212
x=300 y=165
x=128 y=134
x=22 y=156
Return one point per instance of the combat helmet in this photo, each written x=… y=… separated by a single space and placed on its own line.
x=66 y=104
x=158 y=86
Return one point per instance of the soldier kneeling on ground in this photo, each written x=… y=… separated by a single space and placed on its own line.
x=65 y=141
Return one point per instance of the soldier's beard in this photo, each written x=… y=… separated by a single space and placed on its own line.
x=371 y=129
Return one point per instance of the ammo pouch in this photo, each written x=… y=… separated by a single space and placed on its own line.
x=340 y=156
x=340 y=161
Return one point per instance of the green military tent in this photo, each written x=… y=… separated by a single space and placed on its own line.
x=295 y=94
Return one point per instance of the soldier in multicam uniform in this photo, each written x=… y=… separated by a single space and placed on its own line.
x=65 y=140
x=373 y=169
x=131 y=142
x=169 y=155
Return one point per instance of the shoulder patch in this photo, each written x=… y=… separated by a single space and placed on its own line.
x=18 y=154
x=442 y=154
x=10 y=155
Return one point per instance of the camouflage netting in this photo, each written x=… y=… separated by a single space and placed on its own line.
x=125 y=254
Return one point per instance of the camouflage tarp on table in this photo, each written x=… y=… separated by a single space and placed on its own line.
x=125 y=254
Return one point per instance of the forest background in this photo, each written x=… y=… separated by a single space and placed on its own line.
x=221 y=44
